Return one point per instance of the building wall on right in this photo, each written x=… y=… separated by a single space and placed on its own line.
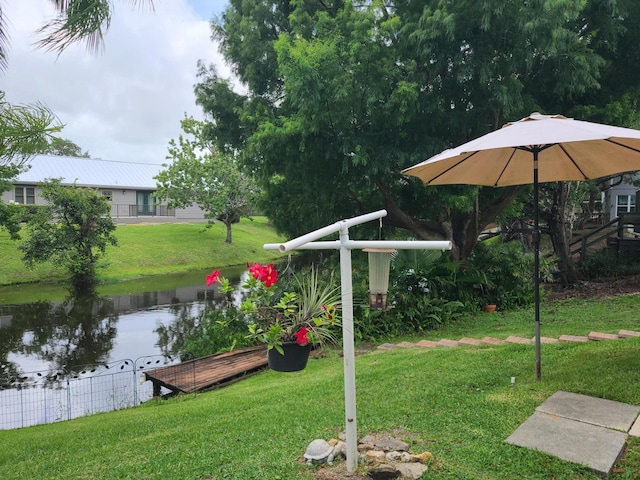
x=621 y=199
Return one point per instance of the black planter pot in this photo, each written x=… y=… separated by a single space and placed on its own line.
x=294 y=359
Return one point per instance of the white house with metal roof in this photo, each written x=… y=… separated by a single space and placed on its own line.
x=128 y=186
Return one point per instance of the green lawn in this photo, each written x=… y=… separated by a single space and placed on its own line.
x=149 y=249
x=457 y=403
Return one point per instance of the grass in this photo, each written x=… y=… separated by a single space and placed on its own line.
x=155 y=249
x=454 y=402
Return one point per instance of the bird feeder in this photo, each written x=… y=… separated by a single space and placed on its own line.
x=379 y=263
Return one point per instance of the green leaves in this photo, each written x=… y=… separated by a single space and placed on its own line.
x=74 y=229
x=201 y=176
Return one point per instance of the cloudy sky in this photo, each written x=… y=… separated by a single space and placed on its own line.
x=125 y=103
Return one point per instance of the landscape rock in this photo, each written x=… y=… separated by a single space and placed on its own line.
x=424 y=457
x=384 y=472
x=375 y=456
x=412 y=470
x=388 y=444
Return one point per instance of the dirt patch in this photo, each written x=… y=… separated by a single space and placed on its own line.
x=591 y=289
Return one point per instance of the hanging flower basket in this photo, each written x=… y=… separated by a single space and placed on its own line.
x=294 y=359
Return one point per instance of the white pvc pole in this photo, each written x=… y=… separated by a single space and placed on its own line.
x=348 y=353
x=361 y=244
x=306 y=242
x=323 y=232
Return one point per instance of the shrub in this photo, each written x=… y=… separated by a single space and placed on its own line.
x=216 y=331
x=508 y=274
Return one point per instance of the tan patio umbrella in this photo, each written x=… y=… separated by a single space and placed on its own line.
x=538 y=148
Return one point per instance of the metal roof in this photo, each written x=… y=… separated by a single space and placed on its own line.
x=90 y=172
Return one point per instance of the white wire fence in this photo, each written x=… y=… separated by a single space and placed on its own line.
x=35 y=398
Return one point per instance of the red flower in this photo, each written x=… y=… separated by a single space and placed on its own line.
x=301 y=337
x=255 y=270
x=268 y=275
x=213 y=277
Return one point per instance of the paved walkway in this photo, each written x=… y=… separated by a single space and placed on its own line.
x=445 y=342
x=577 y=428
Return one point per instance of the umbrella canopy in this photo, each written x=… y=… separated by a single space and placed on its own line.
x=567 y=150
x=538 y=148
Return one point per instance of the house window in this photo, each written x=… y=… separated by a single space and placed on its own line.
x=25 y=195
x=625 y=204
x=107 y=194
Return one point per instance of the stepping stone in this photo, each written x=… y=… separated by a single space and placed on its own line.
x=547 y=340
x=579 y=429
x=573 y=338
x=602 y=336
x=596 y=447
x=524 y=341
x=471 y=342
x=592 y=410
x=387 y=346
x=635 y=428
x=406 y=344
x=427 y=343
x=447 y=343
x=628 y=334
x=492 y=341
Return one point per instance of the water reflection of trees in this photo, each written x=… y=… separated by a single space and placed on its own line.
x=172 y=337
x=78 y=331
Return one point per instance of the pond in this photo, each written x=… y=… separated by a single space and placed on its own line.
x=55 y=350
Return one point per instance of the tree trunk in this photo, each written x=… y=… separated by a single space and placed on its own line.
x=561 y=234
x=228 y=225
x=463 y=230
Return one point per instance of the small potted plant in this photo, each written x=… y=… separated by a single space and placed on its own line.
x=288 y=322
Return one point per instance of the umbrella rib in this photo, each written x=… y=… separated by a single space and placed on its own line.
x=622 y=145
x=452 y=166
x=572 y=161
x=506 y=164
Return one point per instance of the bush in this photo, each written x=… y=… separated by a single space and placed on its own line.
x=216 y=331
x=607 y=264
x=425 y=292
x=508 y=274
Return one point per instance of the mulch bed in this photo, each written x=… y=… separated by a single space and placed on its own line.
x=590 y=289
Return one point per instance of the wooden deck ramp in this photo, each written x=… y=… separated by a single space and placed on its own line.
x=207 y=373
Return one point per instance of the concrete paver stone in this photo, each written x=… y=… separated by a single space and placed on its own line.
x=599 y=336
x=573 y=338
x=596 y=447
x=514 y=339
x=628 y=333
x=596 y=411
x=635 y=428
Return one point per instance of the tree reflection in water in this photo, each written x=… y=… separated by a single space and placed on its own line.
x=78 y=331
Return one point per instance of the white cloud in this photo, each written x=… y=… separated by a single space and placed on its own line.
x=125 y=103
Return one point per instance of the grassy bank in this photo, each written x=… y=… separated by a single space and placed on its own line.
x=454 y=402
x=149 y=249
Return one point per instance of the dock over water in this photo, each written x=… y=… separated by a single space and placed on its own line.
x=208 y=373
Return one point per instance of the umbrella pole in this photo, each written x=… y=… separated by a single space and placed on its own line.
x=536 y=264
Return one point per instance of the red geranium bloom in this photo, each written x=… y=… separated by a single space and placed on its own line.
x=213 y=277
x=255 y=270
x=268 y=275
x=301 y=337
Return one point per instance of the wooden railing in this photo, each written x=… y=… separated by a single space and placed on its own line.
x=613 y=237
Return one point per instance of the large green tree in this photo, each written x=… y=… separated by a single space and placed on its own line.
x=64 y=147
x=73 y=229
x=198 y=175
x=341 y=95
